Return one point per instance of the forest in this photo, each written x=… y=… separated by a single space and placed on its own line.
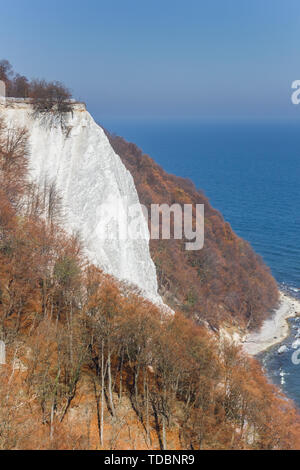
x=92 y=365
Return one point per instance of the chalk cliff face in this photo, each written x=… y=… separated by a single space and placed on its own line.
x=92 y=181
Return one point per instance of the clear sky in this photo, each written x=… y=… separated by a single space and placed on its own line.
x=208 y=58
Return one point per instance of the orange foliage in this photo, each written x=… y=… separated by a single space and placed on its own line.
x=91 y=365
x=226 y=279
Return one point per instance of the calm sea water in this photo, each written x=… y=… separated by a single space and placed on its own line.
x=250 y=171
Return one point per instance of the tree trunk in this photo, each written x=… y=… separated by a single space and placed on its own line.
x=102 y=394
x=164 y=432
x=111 y=402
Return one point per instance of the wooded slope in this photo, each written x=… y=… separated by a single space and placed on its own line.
x=226 y=280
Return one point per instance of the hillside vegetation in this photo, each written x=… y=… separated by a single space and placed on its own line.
x=92 y=365
x=226 y=280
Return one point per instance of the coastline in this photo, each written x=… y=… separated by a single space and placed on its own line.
x=275 y=329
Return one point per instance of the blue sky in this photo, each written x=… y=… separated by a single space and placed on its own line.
x=208 y=58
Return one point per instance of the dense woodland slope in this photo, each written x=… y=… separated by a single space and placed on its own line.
x=225 y=280
x=91 y=365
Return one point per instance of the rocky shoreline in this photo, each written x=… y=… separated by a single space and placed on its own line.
x=275 y=329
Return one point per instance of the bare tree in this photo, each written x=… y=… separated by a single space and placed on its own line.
x=51 y=102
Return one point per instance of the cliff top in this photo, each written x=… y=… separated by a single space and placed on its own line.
x=10 y=102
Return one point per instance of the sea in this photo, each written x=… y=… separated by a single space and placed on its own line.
x=250 y=171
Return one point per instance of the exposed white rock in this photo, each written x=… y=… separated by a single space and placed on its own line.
x=282 y=349
x=297 y=335
x=296 y=344
x=233 y=338
x=90 y=176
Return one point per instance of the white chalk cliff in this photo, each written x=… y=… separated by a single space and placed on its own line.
x=90 y=177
